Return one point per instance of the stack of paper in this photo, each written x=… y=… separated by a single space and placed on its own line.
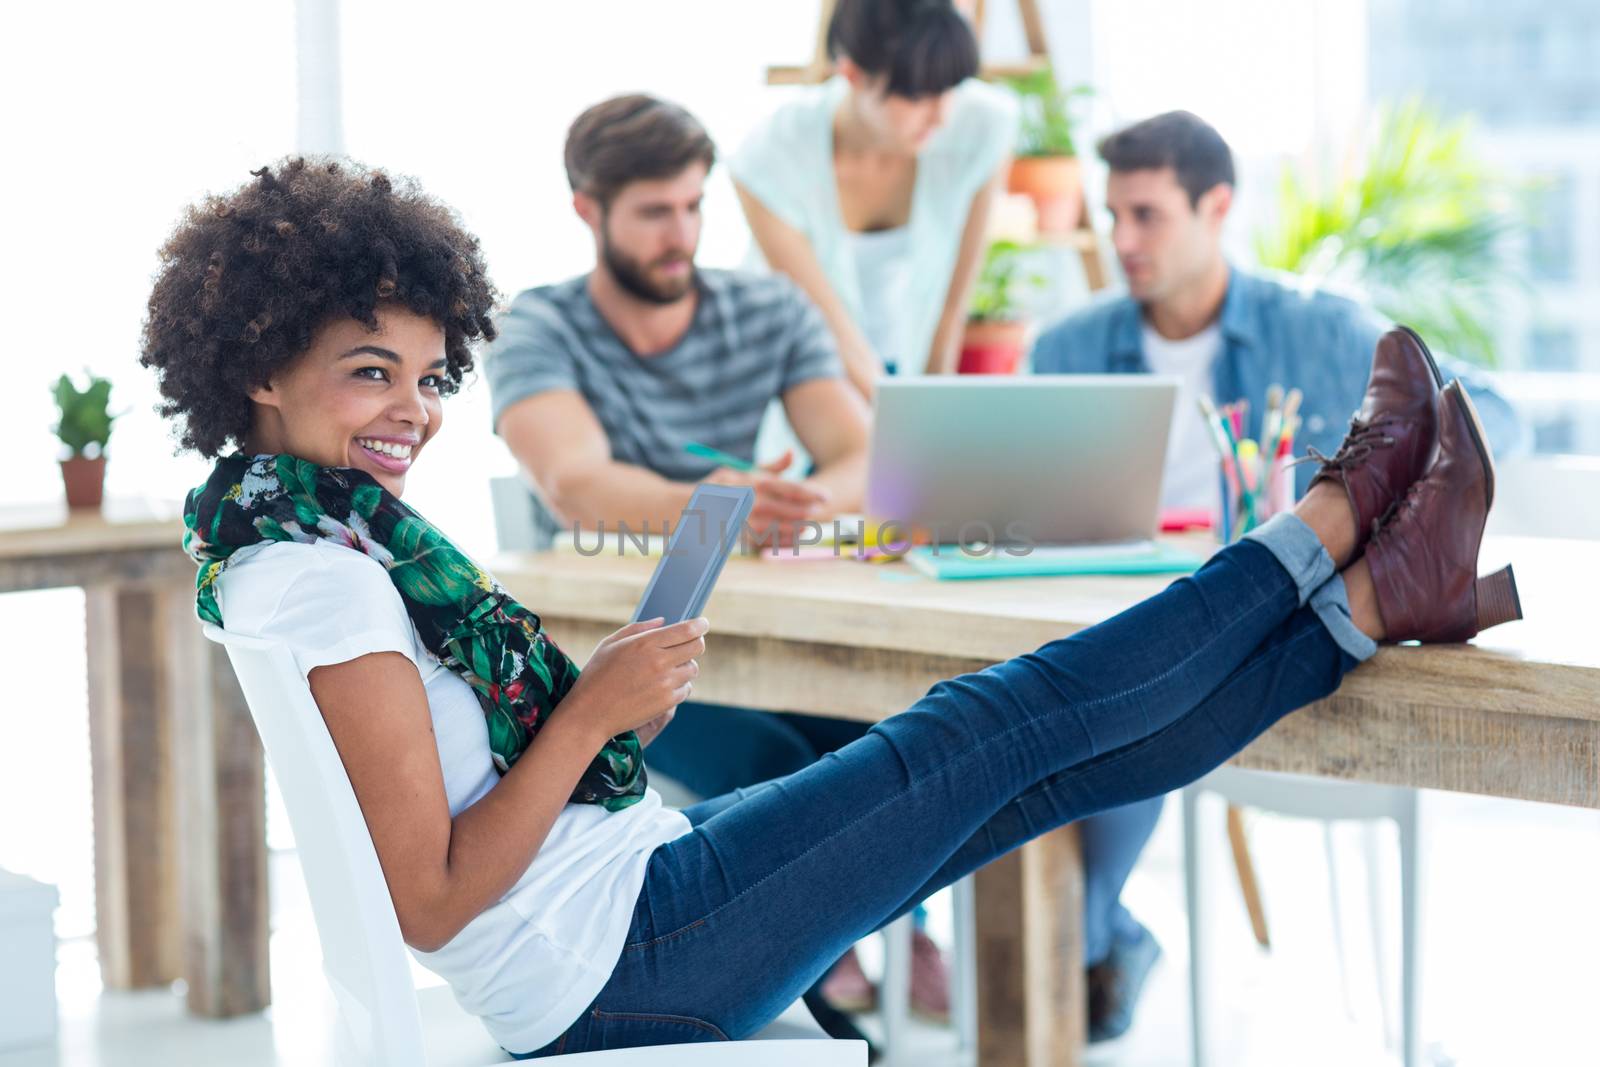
x=1133 y=557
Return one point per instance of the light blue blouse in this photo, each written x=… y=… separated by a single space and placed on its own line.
x=884 y=268
x=787 y=164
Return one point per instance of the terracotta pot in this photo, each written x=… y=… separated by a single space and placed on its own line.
x=85 y=480
x=991 y=347
x=1055 y=184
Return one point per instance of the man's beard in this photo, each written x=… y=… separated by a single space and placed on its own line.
x=634 y=277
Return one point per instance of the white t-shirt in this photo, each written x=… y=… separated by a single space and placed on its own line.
x=883 y=263
x=532 y=962
x=1193 y=470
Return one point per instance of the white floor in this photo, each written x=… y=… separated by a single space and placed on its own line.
x=1512 y=940
x=1511 y=951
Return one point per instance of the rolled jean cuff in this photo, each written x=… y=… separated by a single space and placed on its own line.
x=1296 y=547
x=1332 y=604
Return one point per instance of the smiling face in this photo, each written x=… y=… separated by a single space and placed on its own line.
x=357 y=398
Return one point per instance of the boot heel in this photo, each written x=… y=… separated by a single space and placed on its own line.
x=1497 y=599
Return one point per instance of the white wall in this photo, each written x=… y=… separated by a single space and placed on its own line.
x=131 y=111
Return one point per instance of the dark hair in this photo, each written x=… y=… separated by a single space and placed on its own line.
x=630 y=138
x=924 y=46
x=246 y=278
x=1177 y=139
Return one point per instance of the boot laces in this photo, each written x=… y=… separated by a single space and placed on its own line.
x=1358 y=444
x=1384 y=524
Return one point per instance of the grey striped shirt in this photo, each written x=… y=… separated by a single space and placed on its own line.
x=754 y=336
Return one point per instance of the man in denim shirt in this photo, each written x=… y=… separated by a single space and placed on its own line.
x=1169 y=192
x=1227 y=335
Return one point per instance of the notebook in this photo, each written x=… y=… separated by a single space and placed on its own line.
x=1131 y=557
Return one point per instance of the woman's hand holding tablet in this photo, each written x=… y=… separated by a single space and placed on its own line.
x=701 y=541
x=638 y=675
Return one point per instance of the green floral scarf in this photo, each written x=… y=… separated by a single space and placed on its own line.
x=462 y=614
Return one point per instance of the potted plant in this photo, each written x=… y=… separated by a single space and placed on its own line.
x=996 y=331
x=1419 y=220
x=1046 y=166
x=84 y=429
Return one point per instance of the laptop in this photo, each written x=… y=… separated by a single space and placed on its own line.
x=1043 y=459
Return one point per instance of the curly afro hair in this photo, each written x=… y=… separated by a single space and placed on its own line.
x=247 y=278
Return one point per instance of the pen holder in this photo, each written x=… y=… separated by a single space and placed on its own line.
x=1248 y=500
x=1257 y=475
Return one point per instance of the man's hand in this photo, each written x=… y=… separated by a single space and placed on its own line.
x=781 y=506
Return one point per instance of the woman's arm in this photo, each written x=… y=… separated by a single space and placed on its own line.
x=945 y=353
x=787 y=250
x=443 y=872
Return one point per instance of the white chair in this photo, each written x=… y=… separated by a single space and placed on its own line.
x=364 y=958
x=1546 y=496
x=1328 y=801
x=894 y=994
x=516 y=515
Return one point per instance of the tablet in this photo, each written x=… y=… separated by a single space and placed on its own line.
x=700 y=544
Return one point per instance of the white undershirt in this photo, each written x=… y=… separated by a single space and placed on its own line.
x=532 y=962
x=883 y=267
x=1190 y=479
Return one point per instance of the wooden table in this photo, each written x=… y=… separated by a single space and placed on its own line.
x=1516 y=715
x=179 y=819
x=179 y=842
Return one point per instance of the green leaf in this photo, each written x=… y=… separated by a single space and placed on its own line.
x=537 y=665
x=1419 y=220
x=432 y=569
x=428 y=584
x=997 y=296
x=365 y=500
x=505 y=733
x=1046 y=127
x=85 y=419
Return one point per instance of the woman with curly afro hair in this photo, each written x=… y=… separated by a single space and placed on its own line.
x=306 y=328
x=247 y=280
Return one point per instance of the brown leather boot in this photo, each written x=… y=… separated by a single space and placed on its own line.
x=1424 y=560
x=1392 y=435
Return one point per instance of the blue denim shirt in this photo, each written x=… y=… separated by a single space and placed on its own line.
x=1272 y=332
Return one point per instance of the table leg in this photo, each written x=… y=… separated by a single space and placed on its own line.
x=1032 y=1002
x=222 y=827
x=1239 y=840
x=130 y=742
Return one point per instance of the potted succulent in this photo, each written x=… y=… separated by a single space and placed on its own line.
x=84 y=429
x=996 y=331
x=1046 y=166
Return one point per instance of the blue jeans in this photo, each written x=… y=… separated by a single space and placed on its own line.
x=713 y=750
x=741 y=915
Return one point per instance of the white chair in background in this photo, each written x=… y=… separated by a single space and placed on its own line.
x=1546 y=496
x=894 y=992
x=516 y=515
x=364 y=957
x=1327 y=801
